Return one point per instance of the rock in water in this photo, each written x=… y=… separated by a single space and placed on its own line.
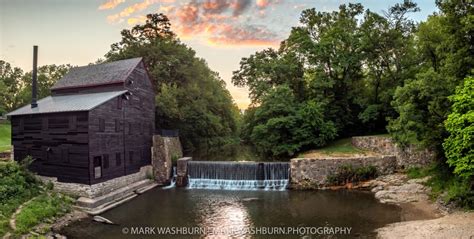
x=102 y=220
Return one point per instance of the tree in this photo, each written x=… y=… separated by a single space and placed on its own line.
x=190 y=97
x=388 y=59
x=15 y=86
x=48 y=75
x=282 y=126
x=459 y=146
x=329 y=45
x=446 y=51
x=10 y=86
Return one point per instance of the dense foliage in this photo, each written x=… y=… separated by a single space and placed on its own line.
x=17 y=185
x=459 y=146
x=345 y=65
x=363 y=73
x=190 y=97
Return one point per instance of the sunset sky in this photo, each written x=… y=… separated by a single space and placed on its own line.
x=79 y=32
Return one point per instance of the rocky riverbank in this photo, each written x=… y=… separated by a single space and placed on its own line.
x=421 y=218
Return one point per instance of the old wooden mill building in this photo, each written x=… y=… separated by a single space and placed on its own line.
x=97 y=124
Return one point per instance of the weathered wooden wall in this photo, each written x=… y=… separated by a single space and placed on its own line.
x=140 y=116
x=107 y=140
x=65 y=144
x=58 y=142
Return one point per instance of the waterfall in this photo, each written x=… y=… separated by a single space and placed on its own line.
x=238 y=175
x=173 y=179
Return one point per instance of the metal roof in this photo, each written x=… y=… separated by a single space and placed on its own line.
x=100 y=74
x=67 y=103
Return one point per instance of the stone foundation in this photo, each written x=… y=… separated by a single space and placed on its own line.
x=182 y=172
x=163 y=151
x=309 y=173
x=99 y=189
x=406 y=157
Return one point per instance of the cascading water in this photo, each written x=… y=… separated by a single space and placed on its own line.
x=173 y=179
x=238 y=175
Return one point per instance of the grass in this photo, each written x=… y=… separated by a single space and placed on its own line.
x=17 y=186
x=445 y=185
x=341 y=147
x=42 y=209
x=5 y=137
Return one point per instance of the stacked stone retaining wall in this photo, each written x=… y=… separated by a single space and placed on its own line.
x=99 y=189
x=409 y=156
x=313 y=173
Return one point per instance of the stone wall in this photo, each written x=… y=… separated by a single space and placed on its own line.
x=312 y=173
x=182 y=172
x=406 y=157
x=99 y=189
x=163 y=151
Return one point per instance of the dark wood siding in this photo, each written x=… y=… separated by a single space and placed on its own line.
x=58 y=142
x=113 y=139
x=95 y=89
x=108 y=141
x=140 y=116
x=131 y=139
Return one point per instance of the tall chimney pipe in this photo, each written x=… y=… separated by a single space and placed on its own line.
x=34 y=87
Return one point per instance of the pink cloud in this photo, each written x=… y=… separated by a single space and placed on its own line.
x=110 y=4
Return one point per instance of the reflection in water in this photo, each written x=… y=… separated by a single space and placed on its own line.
x=237 y=211
x=225 y=219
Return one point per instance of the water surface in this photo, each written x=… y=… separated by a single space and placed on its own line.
x=218 y=209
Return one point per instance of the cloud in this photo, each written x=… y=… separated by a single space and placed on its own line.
x=110 y=4
x=240 y=6
x=263 y=3
x=217 y=22
x=215 y=6
x=242 y=35
x=130 y=10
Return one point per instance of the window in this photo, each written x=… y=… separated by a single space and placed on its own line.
x=97 y=167
x=118 y=159
x=106 y=161
x=101 y=125
x=130 y=156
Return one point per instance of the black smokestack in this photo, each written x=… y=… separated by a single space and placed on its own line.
x=34 y=87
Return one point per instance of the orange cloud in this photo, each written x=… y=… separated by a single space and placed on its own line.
x=110 y=4
x=130 y=10
x=262 y=3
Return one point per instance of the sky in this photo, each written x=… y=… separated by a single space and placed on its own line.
x=79 y=32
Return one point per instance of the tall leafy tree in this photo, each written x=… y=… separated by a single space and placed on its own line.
x=10 y=86
x=329 y=45
x=190 y=97
x=445 y=44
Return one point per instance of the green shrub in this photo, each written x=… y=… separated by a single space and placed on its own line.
x=349 y=174
x=459 y=146
x=17 y=185
x=418 y=172
x=42 y=209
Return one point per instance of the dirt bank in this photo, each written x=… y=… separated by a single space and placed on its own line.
x=455 y=225
x=421 y=218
